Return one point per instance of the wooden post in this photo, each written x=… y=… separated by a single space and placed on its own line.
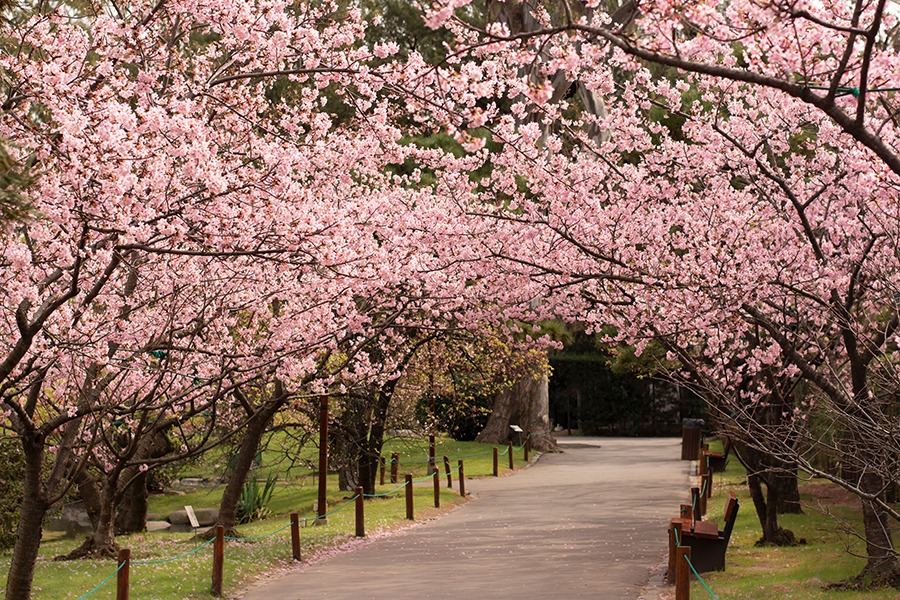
x=709 y=481
x=447 y=471
x=381 y=462
x=437 y=489
x=432 y=463
x=702 y=464
x=527 y=447
x=295 y=536
x=218 y=561
x=462 y=480
x=123 y=574
x=395 y=466
x=687 y=512
x=510 y=452
x=409 y=497
x=695 y=503
x=322 y=506
x=496 y=462
x=360 y=513
x=682 y=573
x=674 y=540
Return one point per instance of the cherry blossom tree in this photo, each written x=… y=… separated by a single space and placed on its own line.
x=742 y=209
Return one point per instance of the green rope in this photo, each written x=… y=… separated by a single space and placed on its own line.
x=331 y=512
x=104 y=582
x=256 y=537
x=700 y=579
x=383 y=494
x=677 y=537
x=426 y=478
x=174 y=558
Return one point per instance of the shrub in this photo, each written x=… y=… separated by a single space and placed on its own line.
x=254 y=502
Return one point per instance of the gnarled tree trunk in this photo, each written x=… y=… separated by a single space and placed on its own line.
x=526 y=404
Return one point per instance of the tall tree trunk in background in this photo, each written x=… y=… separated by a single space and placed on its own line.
x=526 y=404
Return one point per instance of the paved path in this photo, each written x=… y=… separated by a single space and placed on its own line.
x=586 y=523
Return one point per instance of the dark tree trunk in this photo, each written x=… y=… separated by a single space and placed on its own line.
x=370 y=460
x=132 y=514
x=527 y=405
x=31 y=517
x=347 y=442
x=882 y=563
x=760 y=473
x=252 y=437
x=788 y=487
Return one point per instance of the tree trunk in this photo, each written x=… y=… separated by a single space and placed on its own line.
x=527 y=405
x=28 y=532
x=102 y=541
x=348 y=440
x=882 y=563
x=253 y=434
x=132 y=514
x=760 y=473
x=788 y=487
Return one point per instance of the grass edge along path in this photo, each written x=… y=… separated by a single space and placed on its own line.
x=791 y=573
x=173 y=565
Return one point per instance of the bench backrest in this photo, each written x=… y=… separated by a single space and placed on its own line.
x=731 y=510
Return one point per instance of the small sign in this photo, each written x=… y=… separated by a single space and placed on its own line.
x=192 y=517
x=516 y=428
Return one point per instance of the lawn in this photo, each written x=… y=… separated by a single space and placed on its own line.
x=174 y=565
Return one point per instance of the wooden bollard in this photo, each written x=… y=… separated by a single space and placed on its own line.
x=436 y=477
x=295 y=536
x=360 y=513
x=395 y=466
x=496 y=462
x=527 y=448
x=702 y=464
x=695 y=503
x=510 y=453
x=674 y=540
x=447 y=471
x=218 y=561
x=123 y=574
x=709 y=482
x=687 y=512
x=381 y=462
x=462 y=480
x=409 y=497
x=682 y=573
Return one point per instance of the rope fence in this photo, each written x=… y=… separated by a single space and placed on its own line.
x=122 y=571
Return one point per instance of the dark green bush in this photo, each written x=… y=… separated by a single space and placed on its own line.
x=12 y=467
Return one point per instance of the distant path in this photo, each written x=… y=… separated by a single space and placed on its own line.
x=586 y=523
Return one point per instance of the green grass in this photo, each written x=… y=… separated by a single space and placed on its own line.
x=790 y=573
x=189 y=576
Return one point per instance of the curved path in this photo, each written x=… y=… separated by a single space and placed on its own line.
x=589 y=522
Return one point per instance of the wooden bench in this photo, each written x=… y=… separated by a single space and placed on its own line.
x=708 y=543
x=718 y=460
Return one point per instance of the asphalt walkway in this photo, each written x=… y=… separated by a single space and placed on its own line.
x=589 y=522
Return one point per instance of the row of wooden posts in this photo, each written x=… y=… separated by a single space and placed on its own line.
x=124 y=559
